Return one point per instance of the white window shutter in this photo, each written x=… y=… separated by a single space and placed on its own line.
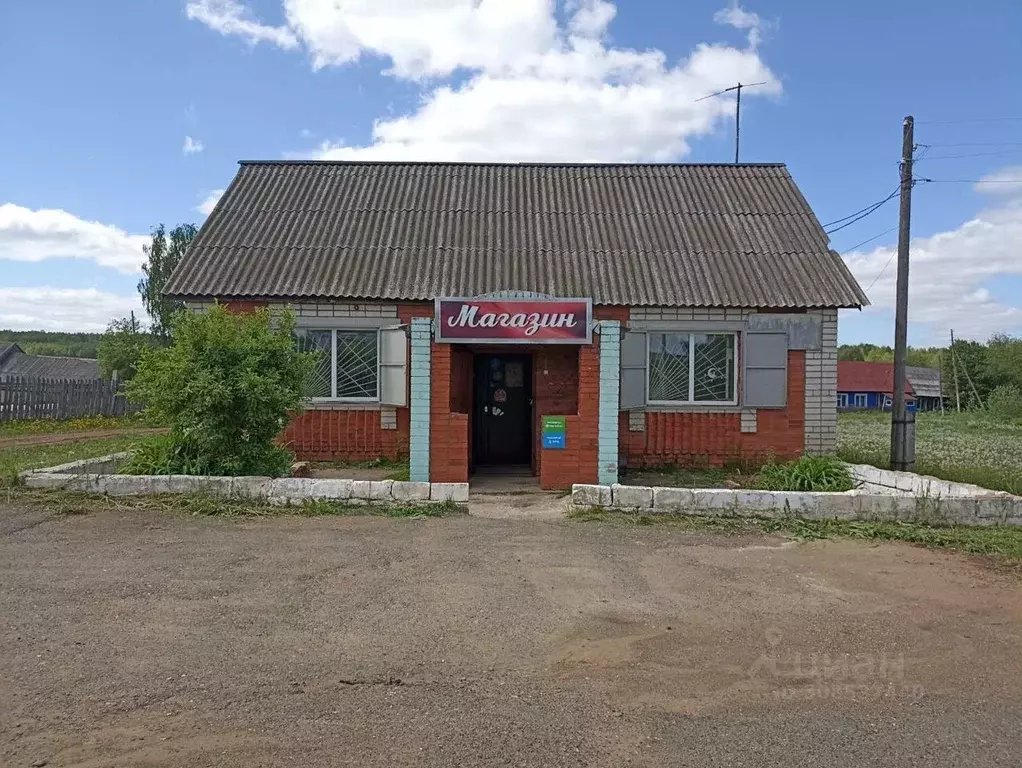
x=633 y=370
x=393 y=366
x=765 y=365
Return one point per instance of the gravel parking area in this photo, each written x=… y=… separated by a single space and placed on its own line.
x=138 y=639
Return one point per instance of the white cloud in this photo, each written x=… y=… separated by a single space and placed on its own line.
x=192 y=146
x=739 y=18
x=63 y=309
x=229 y=17
x=949 y=272
x=28 y=235
x=209 y=202
x=1007 y=181
x=536 y=89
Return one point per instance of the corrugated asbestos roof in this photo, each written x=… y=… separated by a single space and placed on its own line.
x=925 y=381
x=672 y=235
x=17 y=363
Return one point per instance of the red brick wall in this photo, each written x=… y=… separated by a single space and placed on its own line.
x=355 y=435
x=693 y=439
x=577 y=462
x=448 y=432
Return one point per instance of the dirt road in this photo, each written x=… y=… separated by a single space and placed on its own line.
x=142 y=639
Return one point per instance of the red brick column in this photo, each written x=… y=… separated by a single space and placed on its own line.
x=448 y=431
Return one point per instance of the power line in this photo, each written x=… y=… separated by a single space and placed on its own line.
x=881 y=273
x=970 y=154
x=860 y=215
x=969 y=181
x=871 y=239
x=976 y=144
x=969 y=120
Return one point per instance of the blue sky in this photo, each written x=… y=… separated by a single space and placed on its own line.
x=93 y=125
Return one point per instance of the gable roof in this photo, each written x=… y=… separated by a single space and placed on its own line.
x=854 y=376
x=14 y=362
x=925 y=381
x=8 y=348
x=644 y=234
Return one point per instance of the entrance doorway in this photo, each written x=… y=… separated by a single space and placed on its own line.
x=502 y=410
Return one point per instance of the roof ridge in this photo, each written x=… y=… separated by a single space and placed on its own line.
x=515 y=164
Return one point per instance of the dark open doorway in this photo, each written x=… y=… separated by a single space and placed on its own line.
x=502 y=410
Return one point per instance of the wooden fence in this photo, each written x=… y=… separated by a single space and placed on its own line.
x=31 y=397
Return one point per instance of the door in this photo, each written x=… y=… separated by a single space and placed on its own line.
x=502 y=418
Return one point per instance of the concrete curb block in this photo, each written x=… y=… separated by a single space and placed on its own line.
x=75 y=476
x=989 y=508
x=878 y=480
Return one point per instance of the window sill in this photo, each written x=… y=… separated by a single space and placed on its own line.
x=342 y=405
x=693 y=408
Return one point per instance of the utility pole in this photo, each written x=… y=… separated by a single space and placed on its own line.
x=954 y=372
x=903 y=453
x=738 y=108
x=738 y=120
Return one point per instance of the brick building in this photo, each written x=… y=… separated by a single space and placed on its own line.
x=567 y=320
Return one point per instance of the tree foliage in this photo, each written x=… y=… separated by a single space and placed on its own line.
x=121 y=347
x=225 y=387
x=162 y=255
x=972 y=369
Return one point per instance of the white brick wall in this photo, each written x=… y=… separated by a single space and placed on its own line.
x=821 y=389
x=641 y=314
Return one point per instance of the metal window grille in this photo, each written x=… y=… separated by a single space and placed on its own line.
x=692 y=367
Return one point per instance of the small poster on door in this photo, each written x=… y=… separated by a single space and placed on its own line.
x=514 y=374
x=500 y=395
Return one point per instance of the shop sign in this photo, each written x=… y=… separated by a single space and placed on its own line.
x=514 y=321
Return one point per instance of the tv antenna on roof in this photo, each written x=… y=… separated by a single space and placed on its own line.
x=738 y=108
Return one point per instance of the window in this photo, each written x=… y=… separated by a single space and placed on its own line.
x=692 y=368
x=347 y=364
x=842 y=400
x=860 y=400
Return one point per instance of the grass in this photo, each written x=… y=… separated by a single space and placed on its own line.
x=1004 y=542
x=204 y=505
x=809 y=473
x=399 y=469
x=18 y=459
x=962 y=447
x=63 y=426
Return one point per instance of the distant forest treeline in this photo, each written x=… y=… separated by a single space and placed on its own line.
x=54 y=343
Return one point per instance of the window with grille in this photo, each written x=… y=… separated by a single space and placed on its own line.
x=692 y=368
x=347 y=364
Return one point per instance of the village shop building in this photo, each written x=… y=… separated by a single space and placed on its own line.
x=566 y=320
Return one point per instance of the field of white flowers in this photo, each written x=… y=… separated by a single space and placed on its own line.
x=965 y=447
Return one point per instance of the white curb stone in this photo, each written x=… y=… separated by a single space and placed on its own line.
x=360 y=489
x=409 y=491
x=632 y=496
x=380 y=490
x=449 y=492
x=672 y=499
x=591 y=495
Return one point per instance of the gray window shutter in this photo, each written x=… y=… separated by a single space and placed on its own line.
x=765 y=357
x=393 y=366
x=633 y=370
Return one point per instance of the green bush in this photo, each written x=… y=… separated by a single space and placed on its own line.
x=225 y=388
x=809 y=473
x=1005 y=402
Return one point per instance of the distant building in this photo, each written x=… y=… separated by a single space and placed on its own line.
x=926 y=384
x=14 y=362
x=869 y=386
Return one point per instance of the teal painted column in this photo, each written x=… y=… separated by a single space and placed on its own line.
x=418 y=401
x=610 y=386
